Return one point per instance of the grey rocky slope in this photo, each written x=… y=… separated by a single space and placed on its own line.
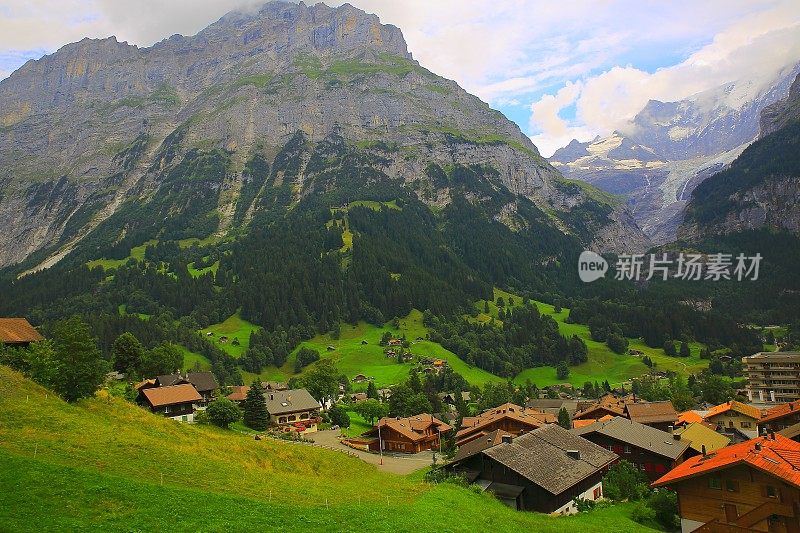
x=670 y=147
x=99 y=124
x=761 y=188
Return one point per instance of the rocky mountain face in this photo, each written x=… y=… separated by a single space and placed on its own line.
x=761 y=188
x=98 y=128
x=670 y=147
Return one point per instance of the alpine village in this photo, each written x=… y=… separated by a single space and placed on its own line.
x=278 y=275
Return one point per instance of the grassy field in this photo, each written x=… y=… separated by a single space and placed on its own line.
x=137 y=252
x=196 y=273
x=106 y=465
x=235 y=327
x=603 y=363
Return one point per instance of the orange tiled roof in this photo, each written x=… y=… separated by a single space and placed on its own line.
x=779 y=411
x=239 y=393
x=688 y=417
x=739 y=407
x=778 y=456
x=17 y=331
x=590 y=421
x=171 y=394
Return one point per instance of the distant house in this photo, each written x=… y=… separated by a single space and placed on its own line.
x=238 y=394
x=735 y=415
x=18 y=332
x=544 y=470
x=609 y=404
x=205 y=383
x=508 y=417
x=780 y=417
x=275 y=385
x=653 y=451
x=358 y=397
x=588 y=422
x=450 y=397
x=360 y=378
x=178 y=402
x=659 y=415
x=407 y=435
x=701 y=438
x=293 y=410
x=384 y=394
x=750 y=486
x=688 y=417
x=395 y=342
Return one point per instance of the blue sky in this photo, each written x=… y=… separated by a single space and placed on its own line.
x=558 y=69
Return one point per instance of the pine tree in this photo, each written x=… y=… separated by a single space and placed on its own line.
x=372 y=391
x=255 y=407
x=563 y=418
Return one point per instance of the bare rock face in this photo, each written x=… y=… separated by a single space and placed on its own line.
x=99 y=124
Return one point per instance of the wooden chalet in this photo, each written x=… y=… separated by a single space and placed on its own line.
x=607 y=405
x=544 y=470
x=178 y=402
x=734 y=415
x=653 y=451
x=509 y=417
x=293 y=410
x=780 y=417
x=204 y=382
x=18 y=332
x=750 y=486
x=406 y=435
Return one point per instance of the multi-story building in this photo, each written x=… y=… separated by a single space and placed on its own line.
x=773 y=376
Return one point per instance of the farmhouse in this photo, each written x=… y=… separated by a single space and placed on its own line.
x=293 y=410
x=17 y=332
x=177 y=402
x=653 y=451
x=360 y=378
x=750 y=486
x=508 y=417
x=735 y=415
x=407 y=435
x=204 y=382
x=660 y=415
x=544 y=470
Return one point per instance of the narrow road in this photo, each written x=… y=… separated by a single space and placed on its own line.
x=394 y=463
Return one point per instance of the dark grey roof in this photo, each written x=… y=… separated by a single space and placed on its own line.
x=289 y=401
x=553 y=406
x=202 y=381
x=541 y=456
x=476 y=446
x=636 y=434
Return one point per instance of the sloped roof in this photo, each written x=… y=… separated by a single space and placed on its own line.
x=239 y=393
x=790 y=432
x=779 y=457
x=411 y=427
x=202 y=381
x=687 y=417
x=590 y=421
x=639 y=435
x=779 y=411
x=699 y=435
x=541 y=456
x=739 y=407
x=478 y=445
x=17 y=331
x=652 y=412
x=531 y=417
x=608 y=402
x=290 y=401
x=171 y=394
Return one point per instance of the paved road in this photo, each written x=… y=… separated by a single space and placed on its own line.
x=395 y=463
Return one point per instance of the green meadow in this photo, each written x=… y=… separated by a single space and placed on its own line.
x=104 y=464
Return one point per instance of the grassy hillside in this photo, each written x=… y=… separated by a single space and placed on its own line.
x=603 y=364
x=98 y=465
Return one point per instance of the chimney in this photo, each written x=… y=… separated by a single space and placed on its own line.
x=772 y=435
x=507 y=439
x=671 y=430
x=703 y=449
x=574 y=454
x=758 y=446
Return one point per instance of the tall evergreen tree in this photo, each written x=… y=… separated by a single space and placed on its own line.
x=372 y=391
x=79 y=367
x=255 y=407
x=563 y=418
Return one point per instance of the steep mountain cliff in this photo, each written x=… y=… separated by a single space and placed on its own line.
x=245 y=108
x=670 y=147
x=761 y=188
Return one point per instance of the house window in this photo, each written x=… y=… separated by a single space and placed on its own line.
x=166 y=408
x=292 y=418
x=771 y=492
x=627 y=449
x=304 y=416
x=184 y=418
x=746 y=424
x=731 y=485
x=598 y=493
x=715 y=483
x=282 y=420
